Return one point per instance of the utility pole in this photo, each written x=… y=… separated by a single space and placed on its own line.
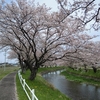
x=5 y=59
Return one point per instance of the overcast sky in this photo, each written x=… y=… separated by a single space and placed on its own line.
x=53 y=5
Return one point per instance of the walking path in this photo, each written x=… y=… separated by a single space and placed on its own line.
x=8 y=87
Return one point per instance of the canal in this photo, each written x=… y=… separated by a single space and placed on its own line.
x=74 y=90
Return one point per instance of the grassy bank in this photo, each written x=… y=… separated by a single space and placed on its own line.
x=43 y=90
x=6 y=71
x=81 y=76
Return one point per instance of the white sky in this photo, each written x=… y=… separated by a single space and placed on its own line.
x=53 y=5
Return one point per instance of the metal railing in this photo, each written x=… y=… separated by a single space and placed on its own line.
x=26 y=88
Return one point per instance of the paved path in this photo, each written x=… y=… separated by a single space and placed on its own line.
x=8 y=87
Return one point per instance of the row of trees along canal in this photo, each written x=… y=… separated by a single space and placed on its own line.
x=37 y=36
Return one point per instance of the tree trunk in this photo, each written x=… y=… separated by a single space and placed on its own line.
x=32 y=69
x=85 y=68
x=28 y=65
x=33 y=73
x=22 y=66
x=94 y=69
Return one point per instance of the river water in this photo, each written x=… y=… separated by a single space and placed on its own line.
x=73 y=90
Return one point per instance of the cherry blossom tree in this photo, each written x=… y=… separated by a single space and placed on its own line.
x=37 y=35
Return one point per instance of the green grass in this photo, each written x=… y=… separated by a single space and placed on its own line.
x=88 y=73
x=82 y=76
x=7 y=70
x=21 y=94
x=43 y=90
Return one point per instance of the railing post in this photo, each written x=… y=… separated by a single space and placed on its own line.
x=32 y=94
x=21 y=79
x=24 y=84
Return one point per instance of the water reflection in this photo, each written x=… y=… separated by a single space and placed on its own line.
x=74 y=90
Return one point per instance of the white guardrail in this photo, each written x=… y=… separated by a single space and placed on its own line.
x=26 y=88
